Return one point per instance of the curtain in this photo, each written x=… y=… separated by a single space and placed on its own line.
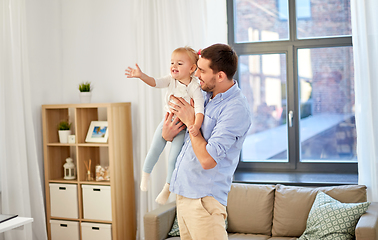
x=365 y=51
x=161 y=27
x=21 y=185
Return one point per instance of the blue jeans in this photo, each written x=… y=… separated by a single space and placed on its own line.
x=157 y=147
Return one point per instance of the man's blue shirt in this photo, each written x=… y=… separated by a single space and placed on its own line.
x=226 y=123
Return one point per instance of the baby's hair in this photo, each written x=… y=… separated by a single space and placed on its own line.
x=193 y=55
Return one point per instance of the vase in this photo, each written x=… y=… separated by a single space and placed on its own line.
x=63 y=135
x=85 y=97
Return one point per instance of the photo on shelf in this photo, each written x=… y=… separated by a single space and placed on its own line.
x=97 y=132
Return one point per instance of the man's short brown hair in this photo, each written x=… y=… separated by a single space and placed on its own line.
x=222 y=58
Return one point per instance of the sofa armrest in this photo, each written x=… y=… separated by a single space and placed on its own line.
x=367 y=226
x=158 y=223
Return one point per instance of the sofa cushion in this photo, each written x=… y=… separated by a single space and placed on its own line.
x=250 y=208
x=175 y=231
x=293 y=204
x=242 y=236
x=331 y=219
x=283 y=238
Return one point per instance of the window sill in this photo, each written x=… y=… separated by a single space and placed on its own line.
x=297 y=179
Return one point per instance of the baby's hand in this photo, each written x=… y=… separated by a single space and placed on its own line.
x=194 y=130
x=133 y=73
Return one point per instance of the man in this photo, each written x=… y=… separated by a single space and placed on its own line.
x=206 y=164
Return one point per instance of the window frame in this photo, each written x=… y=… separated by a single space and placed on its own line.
x=290 y=48
x=285 y=19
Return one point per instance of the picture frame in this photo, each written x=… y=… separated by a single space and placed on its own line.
x=97 y=132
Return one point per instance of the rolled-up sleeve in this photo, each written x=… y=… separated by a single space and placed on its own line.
x=232 y=125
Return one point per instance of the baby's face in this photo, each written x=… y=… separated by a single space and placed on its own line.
x=181 y=66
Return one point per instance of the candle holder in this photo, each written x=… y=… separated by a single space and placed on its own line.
x=69 y=169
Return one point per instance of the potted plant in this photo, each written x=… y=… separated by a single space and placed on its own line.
x=64 y=130
x=85 y=89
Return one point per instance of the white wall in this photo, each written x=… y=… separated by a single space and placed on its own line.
x=216 y=22
x=75 y=41
x=98 y=45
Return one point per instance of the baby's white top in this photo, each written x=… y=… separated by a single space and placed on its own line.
x=178 y=89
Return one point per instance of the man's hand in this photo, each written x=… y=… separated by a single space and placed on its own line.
x=171 y=128
x=183 y=110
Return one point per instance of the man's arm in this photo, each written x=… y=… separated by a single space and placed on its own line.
x=185 y=112
x=199 y=147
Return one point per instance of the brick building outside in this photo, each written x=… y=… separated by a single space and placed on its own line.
x=325 y=75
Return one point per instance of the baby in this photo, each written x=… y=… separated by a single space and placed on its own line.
x=180 y=83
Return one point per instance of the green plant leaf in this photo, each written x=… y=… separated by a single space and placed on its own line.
x=85 y=87
x=64 y=125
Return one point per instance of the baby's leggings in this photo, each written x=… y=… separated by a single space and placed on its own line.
x=157 y=147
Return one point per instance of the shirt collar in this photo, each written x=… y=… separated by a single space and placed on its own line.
x=222 y=96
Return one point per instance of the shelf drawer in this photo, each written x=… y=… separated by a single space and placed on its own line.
x=96 y=231
x=63 y=200
x=63 y=230
x=97 y=202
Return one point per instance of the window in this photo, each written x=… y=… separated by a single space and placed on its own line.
x=296 y=71
x=303 y=9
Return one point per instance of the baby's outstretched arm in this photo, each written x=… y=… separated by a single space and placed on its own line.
x=195 y=128
x=137 y=73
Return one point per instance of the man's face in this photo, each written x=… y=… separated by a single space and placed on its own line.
x=205 y=75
